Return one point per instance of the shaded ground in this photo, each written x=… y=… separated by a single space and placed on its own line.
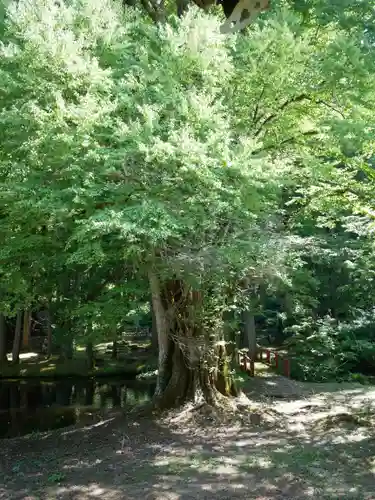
x=318 y=444
x=133 y=358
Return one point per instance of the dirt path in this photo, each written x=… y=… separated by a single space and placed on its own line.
x=317 y=444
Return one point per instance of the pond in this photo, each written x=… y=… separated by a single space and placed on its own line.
x=32 y=405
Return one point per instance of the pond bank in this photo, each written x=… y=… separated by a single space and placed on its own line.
x=37 y=405
x=133 y=358
x=42 y=367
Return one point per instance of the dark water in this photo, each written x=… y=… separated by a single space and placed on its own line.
x=33 y=405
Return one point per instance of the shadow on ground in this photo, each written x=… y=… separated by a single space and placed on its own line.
x=117 y=458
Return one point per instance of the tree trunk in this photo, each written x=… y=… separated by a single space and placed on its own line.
x=182 y=6
x=114 y=349
x=163 y=336
x=250 y=333
x=187 y=371
x=154 y=331
x=90 y=355
x=249 y=326
x=17 y=339
x=49 y=333
x=3 y=340
x=90 y=392
x=26 y=329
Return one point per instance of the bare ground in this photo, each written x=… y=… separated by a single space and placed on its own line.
x=296 y=441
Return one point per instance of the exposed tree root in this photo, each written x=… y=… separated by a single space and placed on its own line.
x=239 y=410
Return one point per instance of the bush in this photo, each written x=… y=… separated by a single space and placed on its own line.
x=332 y=350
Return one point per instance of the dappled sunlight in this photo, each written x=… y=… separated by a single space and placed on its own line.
x=86 y=428
x=81 y=464
x=101 y=346
x=50 y=367
x=83 y=492
x=175 y=195
x=114 y=460
x=24 y=356
x=270 y=382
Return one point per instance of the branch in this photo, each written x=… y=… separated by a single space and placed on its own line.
x=182 y=6
x=293 y=139
x=274 y=115
x=330 y=106
x=256 y=109
x=293 y=100
x=155 y=9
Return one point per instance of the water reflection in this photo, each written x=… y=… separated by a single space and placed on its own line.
x=31 y=406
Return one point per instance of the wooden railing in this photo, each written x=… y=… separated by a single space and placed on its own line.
x=267 y=356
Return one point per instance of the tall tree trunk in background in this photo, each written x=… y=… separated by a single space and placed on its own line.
x=44 y=318
x=189 y=368
x=250 y=333
x=230 y=335
x=3 y=340
x=182 y=6
x=90 y=355
x=69 y=286
x=249 y=326
x=155 y=9
x=49 y=332
x=26 y=329
x=66 y=346
x=17 y=339
x=154 y=331
x=90 y=392
x=114 y=349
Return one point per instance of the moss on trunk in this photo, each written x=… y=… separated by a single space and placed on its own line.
x=191 y=368
x=208 y=379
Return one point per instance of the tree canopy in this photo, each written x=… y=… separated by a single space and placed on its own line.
x=141 y=158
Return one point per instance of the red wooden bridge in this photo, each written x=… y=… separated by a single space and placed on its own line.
x=268 y=356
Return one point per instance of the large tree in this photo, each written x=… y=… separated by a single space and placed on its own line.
x=162 y=150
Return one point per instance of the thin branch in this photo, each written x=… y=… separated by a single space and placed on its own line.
x=274 y=115
x=293 y=139
x=293 y=100
x=256 y=109
x=330 y=106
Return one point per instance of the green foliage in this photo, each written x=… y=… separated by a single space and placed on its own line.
x=128 y=147
x=326 y=349
x=118 y=150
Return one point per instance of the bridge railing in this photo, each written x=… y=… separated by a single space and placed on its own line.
x=267 y=356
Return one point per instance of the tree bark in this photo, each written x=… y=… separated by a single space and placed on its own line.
x=250 y=333
x=249 y=326
x=3 y=340
x=114 y=349
x=154 y=331
x=49 y=333
x=187 y=371
x=163 y=336
x=155 y=9
x=68 y=350
x=17 y=339
x=26 y=329
x=182 y=6
x=90 y=355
